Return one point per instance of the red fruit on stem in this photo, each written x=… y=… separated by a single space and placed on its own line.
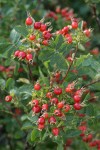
x=45 y=107
x=37 y=25
x=29 y=21
x=8 y=98
x=32 y=37
x=60 y=105
x=37 y=86
x=16 y=53
x=74 y=25
x=43 y=27
x=47 y=35
x=87 y=32
x=21 y=55
x=58 y=91
x=58 y=113
x=55 y=131
x=35 y=102
x=36 y=109
x=49 y=95
x=41 y=126
x=77 y=98
x=54 y=101
x=45 y=42
x=67 y=108
x=41 y=120
x=52 y=120
x=77 y=106
x=29 y=57
x=45 y=115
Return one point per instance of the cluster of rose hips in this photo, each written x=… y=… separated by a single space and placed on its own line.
x=88 y=138
x=66 y=13
x=53 y=110
x=42 y=28
x=7 y=70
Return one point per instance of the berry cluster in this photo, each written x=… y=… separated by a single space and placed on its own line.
x=52 y=108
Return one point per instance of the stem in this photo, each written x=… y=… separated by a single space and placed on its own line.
x=30 y=73
x=93 y=82
x=93 y=6
x=70 y=65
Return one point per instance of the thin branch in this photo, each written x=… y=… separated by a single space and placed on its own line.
x=93 y=6
x=93 y=82
x=30 y=72
x=70 y=65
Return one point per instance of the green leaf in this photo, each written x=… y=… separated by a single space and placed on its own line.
x=14 y=36
x=89 y=110
x=16 y=68
x=27 y=125
x=73 y=133
x=60 y=147
x=34 y=135
x=58 y=60
x=2 y=84
x=58 y=41
x=10 y=83
x=22 y=30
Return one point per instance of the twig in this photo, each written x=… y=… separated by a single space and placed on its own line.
x=93 y=82
x=70 y=65
x=93 y=6
x=30 y=72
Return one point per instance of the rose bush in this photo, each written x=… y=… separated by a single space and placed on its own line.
x=50 y=84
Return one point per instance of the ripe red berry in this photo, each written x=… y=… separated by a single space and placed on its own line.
x=77 y=98
x=70 y=88
x=35 y=102
x=29 y=57
x=54 y=101
x=74 y=25
x=55 y=131
x=37 y=25
x=36 y=109
x=21 y=55
x=67 y=108
x=57 y=75
x=41 y=126
x=29 y=21
x=89 y=137
x=8 y=98
x=37 y=87
x=41 y=120
x=45 y=42
x=58 y=91
x=69 y=39
x=87 y=32
x=52 y=120
x=49 y=95
x=43 y=27
x=60 y=105
x=16 y=53
x=32 y=37
x=65 y=30
x=77 y=106
x=47 y=35
x=45 y=115
x=45 y=107
x=58 y=113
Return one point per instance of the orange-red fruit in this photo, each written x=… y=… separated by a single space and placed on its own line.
x=52 y=120
x=41 y=126
x=58 y=91
x=67 y=108
x=35 y=102
x=29 y=21
x=55 y=131
x=77 y=106
x=37 y=86
x=32 y=37
x=41 y=120
x=60 y=105
x=8 y=98
x=36 y=109
x=74 y=25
